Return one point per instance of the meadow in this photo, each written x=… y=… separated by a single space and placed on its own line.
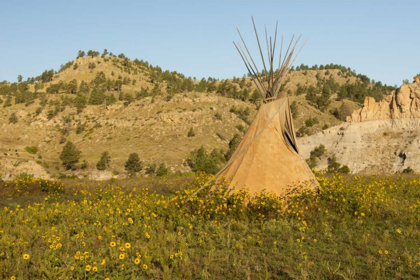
x=353 y=227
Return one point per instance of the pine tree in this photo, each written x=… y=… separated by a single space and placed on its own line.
x=8 y=101
x=70 y=155
x=81 y=54
x=133 y=164
x=103 y=163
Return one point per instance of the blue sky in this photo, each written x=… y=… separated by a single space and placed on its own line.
x=377 y=38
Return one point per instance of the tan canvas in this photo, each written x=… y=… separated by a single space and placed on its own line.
x=268 y=157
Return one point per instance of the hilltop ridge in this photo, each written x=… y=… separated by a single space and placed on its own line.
x=117 y=105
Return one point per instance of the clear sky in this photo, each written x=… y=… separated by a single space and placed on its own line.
x=380 y=39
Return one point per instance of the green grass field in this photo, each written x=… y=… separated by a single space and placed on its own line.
x=352 y=228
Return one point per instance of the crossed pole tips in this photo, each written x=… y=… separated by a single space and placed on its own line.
x=268 y=81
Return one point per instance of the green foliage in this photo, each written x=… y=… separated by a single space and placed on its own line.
x=242 y=113
x=32 y=149
x=8 y=102
x=162 y=170
x=133 y=164
x=408 y=170
x=97 y=97
x=202 y=161
x=13 y=118
x=218 y=116
x=104 y=161
x=151 y=169
x=65 y=66
x=191 y=133
x=80 y=103
x=315 y=155
x=81 y=54
x=80 y=128
x=311 y=121
x=233 y=144
x=334 y=166
x=240 y=127
x=294 y=109
x=70 y=156
x=344 y=169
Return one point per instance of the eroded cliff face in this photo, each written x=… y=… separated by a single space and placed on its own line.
x=404 y=103
x=382 y=137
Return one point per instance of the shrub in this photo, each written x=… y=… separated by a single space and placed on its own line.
x=333 y=165
x=408 y=170
x=151 y=169
x=13 y=118
x=32 y=150
x=218 y=116
x=162 y=170
x=191 y=133
x=344 y=169
x=201 y=161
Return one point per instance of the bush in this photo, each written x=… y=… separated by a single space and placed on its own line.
x=201 y=161
x=218 y=116
x=13 y=118
x=191 y=133
x=32 y=150
x=408 y=170
x=151 y=169
x=162 y=170
x=344 y=169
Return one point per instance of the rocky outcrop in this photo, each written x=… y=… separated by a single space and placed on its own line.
x=404 y=103
x=371 y=147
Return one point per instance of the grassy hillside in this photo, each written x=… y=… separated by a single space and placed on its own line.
x=122 y=106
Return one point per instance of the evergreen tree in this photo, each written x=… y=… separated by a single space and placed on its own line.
x=103 y=163
x=70 y=156
x=133 y=164
x=8 y=101
x=233 y=144
x=72 y=86
x=81 y=54
x=19 y=78
x=80 y=103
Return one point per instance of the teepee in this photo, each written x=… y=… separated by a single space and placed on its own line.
x=268 y=156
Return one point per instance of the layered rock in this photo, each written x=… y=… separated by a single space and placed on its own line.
x=404 y=103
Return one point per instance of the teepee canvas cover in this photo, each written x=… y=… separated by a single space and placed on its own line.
x=268 y=156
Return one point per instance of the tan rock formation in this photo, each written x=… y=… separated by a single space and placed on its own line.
x=404 y=103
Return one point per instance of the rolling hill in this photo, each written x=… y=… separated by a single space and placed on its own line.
x=123 y=106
